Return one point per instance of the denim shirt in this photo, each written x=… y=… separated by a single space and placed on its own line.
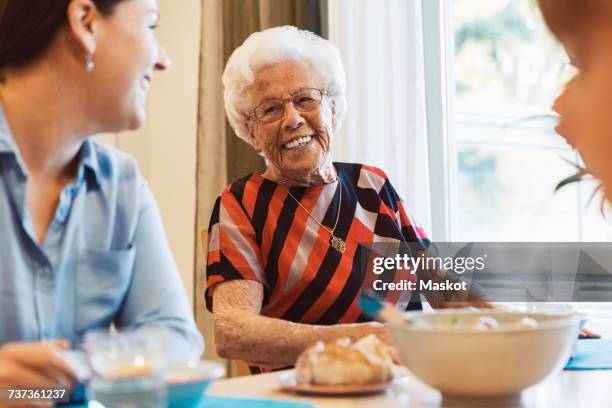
x=104 y=259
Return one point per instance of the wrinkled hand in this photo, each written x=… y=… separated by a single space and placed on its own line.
x=588 y=334
x=34 y=365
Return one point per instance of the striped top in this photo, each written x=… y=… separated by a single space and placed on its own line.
x=258 y=232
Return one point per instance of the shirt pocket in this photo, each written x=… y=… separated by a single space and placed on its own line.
x=102 y=280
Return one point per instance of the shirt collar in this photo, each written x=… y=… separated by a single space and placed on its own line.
x=88 y=159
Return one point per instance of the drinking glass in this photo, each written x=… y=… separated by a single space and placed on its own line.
x=127 y=370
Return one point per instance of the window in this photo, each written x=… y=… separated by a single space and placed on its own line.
x=504 y=159
x=493 y=71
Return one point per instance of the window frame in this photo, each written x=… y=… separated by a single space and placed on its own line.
x=439 y=93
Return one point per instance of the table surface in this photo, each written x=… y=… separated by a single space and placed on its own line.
x=573 y=389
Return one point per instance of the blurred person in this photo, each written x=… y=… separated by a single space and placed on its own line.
x=584 y=27
x=83 y=246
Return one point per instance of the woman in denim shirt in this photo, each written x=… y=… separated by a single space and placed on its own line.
x=82 y=242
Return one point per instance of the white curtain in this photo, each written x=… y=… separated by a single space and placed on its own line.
x=381 y=43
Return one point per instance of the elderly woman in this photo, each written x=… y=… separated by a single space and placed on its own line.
x=282 y=256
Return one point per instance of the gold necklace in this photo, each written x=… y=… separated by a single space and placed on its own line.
x=336 y=242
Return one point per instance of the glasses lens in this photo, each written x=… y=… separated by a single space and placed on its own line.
x=269 y=111
x=303 y=101
x=307 y=100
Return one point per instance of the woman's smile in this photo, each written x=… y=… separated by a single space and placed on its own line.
x=298 y=142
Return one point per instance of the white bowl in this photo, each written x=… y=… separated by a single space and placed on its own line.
x=465 y=362
x=188 y=381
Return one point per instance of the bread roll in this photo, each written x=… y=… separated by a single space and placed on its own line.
x=367 y=361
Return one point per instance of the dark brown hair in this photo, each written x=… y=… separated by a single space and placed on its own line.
x=28 y=26
x=571 y=17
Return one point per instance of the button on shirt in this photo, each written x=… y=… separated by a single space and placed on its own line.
x=104 y=259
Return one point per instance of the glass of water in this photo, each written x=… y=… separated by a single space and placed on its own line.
x=127 y=370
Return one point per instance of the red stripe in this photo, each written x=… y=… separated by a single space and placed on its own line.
x=352 y=314
x=213 y=256
x=337 y=283
x=211 y=282
x=294 y=236
x=234 y=256
x=383 y=209
x=239 y=220
x=315 y=259
x=366 y=235
x=358 y=233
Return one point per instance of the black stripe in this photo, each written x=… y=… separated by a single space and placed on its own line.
x=350 y=171
x=332 y=257
x=262 y=203
x=415 y=301
x=346 y=297
x=223 y=268
x=285 y=220
x=386 y=227
x=368 y=199
x=237 y=189
x=255 y=370
x=214 y=217
x=410 y=235
x=389 y=196
x=258 y=370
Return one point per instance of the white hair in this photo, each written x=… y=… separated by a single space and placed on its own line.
x=273 y=46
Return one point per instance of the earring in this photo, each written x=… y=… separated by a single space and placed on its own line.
x=90 y=64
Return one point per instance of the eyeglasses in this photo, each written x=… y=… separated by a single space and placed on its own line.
x=304 y=100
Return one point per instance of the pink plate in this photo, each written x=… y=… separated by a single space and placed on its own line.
x=288 y=383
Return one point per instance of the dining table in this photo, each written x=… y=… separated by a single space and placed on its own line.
x=568 y=388
x=572 y=389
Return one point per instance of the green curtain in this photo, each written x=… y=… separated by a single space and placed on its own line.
x=241 y=18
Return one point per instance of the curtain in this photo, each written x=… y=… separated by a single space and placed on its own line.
x=223 y=157
x=381 y=44
x=211 y=155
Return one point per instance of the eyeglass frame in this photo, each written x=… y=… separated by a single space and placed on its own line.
x=284 y=102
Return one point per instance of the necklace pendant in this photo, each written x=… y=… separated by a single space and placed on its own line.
x=338 y=244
